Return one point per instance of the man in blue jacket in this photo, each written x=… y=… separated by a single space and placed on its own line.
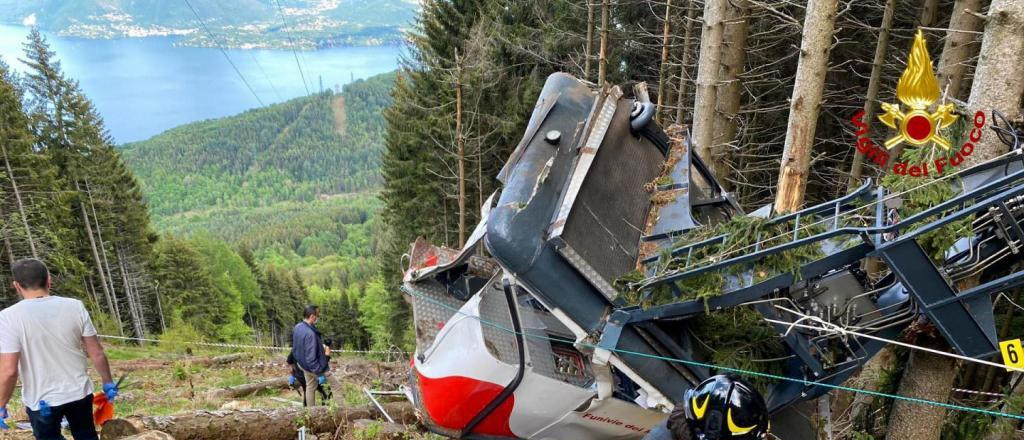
x=308 y=350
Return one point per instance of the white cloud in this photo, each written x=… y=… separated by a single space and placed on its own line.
x=30 y=20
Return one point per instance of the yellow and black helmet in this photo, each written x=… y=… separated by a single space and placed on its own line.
x=724 y=407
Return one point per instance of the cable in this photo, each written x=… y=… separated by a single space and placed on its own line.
x=224 y=52
x=265 y=76
x=291 y=44
x=805 y=382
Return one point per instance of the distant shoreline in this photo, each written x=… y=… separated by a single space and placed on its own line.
x=248 y=39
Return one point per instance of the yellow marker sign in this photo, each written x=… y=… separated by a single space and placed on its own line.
x=1013 y=353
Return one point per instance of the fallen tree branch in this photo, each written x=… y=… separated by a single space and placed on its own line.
x=247 y=389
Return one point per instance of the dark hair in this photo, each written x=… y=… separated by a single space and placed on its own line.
x=310 y=310
x=678 y=425
x=30 y=273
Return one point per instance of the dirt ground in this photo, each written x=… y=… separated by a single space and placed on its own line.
x=160 y=382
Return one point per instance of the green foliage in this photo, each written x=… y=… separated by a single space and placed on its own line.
x=376 y=312
x=292 y=151
x=920 y=196
x=179 y=338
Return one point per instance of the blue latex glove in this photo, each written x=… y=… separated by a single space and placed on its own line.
x=321 y=380
x=110 y=389
x=3 y=417
x=44 y=408
x=291 y=380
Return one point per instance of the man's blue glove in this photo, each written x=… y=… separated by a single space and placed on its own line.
x=3 y=417
x=110 y=389
x=291 y=380
x=321 y=380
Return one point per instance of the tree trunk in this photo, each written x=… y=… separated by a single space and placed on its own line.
x=857 y=169
x=961 y=45
x=134 y=311
x=21 y=206
x=663 y=67
x=602 y=62
x=247 y=389
x=803 y=109
x=460 y=145
x=999 y=77
x=265 y=424
x=589 y=50
x=929 y=10
x=868 y=379
x=683 y=61
x=111 y=302
x=102 y=245
x=708 y=66
x=928 y=376
x=730 y=92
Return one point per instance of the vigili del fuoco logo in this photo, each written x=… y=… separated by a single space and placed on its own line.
x=918 y=120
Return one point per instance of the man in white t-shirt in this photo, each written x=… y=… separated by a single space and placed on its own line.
x=46 y=340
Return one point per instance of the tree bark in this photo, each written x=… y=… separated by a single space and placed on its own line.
x=21 y=206
x=684 y=60
x=928 y=376
x=709 y=64
x=999 y=77
x=868 y=379
x=276 y=424
x=857 y=169
x=663 y=67
x=589 y=50
x=730 y=90
x=929 y=10
x=247 y=389
x=961 y=45
x=602 y=62
x=803 y=110
x=460 y=145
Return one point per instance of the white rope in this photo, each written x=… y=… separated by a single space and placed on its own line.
x=983 y=393
x=830 y=327
x=245 y=346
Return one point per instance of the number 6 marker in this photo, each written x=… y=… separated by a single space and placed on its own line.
x=1013 y=354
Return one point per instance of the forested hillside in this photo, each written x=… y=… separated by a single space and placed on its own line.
x=237 y=267
x=299 y=150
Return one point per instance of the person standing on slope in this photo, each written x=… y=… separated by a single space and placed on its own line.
x=308 y=351
x=46 y=339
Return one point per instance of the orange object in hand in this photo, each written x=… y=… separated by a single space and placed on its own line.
x=104 y=409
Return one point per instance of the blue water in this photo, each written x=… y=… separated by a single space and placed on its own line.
x=143 y=86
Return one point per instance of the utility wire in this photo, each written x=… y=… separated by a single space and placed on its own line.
x=267 y=77
x=225 y=53
x=291 y=44
x=805 y=382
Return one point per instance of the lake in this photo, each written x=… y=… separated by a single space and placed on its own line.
x=143 y=86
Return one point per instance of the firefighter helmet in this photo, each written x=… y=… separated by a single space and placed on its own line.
x=724 y=407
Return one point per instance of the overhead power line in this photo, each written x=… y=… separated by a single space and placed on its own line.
x=291 y=44
x=224 y=52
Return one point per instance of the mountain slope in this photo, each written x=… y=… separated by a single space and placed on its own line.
x=292 y=151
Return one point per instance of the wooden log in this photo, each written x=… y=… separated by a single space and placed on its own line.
x=266 y=424
x=149 y=435
x=247 y=389
x=221 y=360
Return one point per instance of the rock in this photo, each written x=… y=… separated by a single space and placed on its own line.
x=236 y=405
